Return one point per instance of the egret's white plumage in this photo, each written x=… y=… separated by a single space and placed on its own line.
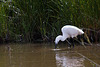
x=67 y=32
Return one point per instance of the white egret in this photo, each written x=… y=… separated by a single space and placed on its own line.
x=68 y=31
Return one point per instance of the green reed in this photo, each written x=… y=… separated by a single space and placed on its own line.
x=43 y=19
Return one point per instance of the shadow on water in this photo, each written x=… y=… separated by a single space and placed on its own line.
x=43 y=55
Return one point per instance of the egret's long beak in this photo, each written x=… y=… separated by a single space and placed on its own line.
x=55 y=46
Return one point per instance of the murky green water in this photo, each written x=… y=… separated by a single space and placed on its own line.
x=43 y=55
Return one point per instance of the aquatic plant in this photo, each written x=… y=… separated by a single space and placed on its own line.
x=33 y=20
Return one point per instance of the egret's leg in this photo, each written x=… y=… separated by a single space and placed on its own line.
x=72 y=40
x=55 y=46
x=68 y=40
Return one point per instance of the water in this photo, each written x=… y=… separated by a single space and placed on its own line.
x=44 y=55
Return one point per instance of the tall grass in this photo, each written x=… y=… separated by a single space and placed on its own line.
x=3 y=21
x=43 y=19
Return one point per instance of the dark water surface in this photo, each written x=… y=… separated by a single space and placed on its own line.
x=44 y=55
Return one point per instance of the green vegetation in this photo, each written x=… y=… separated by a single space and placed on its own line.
x=33 y=20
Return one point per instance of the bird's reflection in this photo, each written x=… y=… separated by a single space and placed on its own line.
x=64 y=60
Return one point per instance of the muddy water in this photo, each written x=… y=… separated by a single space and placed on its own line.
x=43 y=55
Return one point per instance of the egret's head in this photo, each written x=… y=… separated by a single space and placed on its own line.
x=58 y=38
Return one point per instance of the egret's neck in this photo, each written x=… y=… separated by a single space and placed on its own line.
x=60 y=37
x=63 y=38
